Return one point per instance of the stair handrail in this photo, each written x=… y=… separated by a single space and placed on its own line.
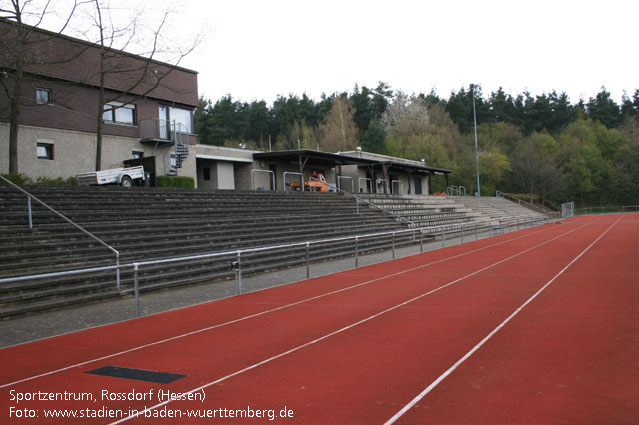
x=175 y=135
x=68 y=220
x=530 y=205
x=358 y=200
x=450 y=190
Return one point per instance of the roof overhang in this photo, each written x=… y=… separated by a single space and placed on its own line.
x=316 y=157
x=350 y=158
x=223 y=158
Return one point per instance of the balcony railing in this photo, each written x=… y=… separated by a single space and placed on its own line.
x=163 y=130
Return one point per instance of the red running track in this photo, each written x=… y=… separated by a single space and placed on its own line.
x=533 y=327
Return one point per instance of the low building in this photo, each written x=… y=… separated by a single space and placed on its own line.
x=148 y=120
x=389 y=174
x=150 y=112
x=356 y=171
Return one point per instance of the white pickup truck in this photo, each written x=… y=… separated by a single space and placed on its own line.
x=122 y=176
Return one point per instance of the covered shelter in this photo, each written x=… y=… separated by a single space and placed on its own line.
x=354 y=171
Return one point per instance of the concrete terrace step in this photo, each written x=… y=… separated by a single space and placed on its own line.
x=156 y=277
x=136 y=247
x=148 y=224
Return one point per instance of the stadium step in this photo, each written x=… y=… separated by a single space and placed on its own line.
x=150 y=224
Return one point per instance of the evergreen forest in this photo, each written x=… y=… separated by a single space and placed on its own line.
x=543 y=145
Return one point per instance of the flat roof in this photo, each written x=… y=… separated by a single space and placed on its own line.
x=318 y=157
x=359 y=158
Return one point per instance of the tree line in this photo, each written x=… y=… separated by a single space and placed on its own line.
x=542 y=145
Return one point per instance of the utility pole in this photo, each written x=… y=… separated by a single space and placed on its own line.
x=478 y=193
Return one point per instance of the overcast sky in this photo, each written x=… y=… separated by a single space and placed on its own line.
x=259 y=49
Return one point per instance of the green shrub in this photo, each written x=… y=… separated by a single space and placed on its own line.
x=175 y=181
x=19 y=179
x=59 y=181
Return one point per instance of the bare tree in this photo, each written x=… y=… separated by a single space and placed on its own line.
x=137 y=77
x=23 y=49
x=339 y=131
x=405 y=115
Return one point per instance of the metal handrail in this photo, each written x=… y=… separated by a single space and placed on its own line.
x=30 y=196
x=339 y=182
x=611 y=208
x=443 y=229
x=357 y=199
x=399 y=185
x=500 y=194
x=370 y=184
x=293 y=174
x=450 y=190
x=271 y=172
x=435 y=230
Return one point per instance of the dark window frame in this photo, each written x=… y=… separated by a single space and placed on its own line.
x=110 y=115
x=49 y=96
x=48 y=149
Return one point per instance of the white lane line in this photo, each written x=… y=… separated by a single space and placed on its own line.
x=252 y=316
x=443 y=376
x=345 y=328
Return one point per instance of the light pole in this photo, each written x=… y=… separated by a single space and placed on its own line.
x=472 y=87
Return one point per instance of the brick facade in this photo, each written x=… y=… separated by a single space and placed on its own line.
x=69 y=69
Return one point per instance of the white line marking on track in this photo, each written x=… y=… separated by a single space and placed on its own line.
x=352 y=325
x=443 y=376
x=252 y=316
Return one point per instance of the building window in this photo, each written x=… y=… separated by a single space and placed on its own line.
x=45 y=151
x=137 y=155
x=43 y=95
x=181 y=119
x=207 y=173
x=119 y=113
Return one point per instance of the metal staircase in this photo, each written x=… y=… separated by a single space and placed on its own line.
x=179 y=154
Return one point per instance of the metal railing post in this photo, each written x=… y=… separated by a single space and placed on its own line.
x=30 y=212
x=117 y=271
x=356 y=252
x=393 y=242
x=476 y=232
x=443 y=238
x=462 y=233
x=238 y=273
x=421 y=241
x=308 y=260
x=136 y=289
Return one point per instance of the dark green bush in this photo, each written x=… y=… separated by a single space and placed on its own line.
x=175 y=181
x=19 y=179
x=47 y=181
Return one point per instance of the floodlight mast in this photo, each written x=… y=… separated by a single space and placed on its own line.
x=478 y=193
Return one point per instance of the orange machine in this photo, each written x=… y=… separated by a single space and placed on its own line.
x=314 y=183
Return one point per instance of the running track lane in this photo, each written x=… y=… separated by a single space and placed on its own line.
x=167 y=356
x=158 y=329
x=338 y=305
x=570 y=357
x=362 y=374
